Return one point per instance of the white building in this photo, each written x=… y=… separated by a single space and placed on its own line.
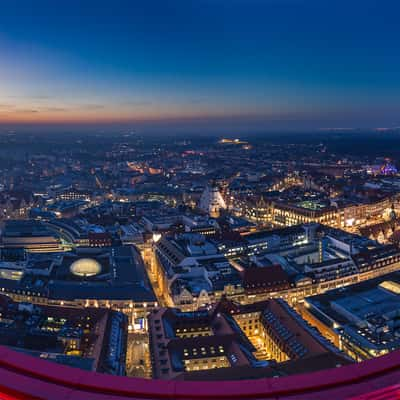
x=212 y=202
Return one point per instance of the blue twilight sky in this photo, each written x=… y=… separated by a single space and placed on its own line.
x=197 y=65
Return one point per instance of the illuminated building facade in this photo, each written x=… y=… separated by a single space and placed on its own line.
x=112 y=278
x=229 y=337
x=192 y=272
x=19 y=236
x=337 y=214
x=65 y=335
x=212 y=202
x=362 y=319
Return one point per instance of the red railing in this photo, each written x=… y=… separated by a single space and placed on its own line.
x=388 y=393
x=25 y=377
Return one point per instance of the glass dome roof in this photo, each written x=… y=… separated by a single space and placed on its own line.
x=85 y=267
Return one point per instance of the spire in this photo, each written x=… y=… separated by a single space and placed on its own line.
x=211 y=201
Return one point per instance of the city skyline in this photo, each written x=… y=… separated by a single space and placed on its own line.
x=208 y=66
x=199 y=198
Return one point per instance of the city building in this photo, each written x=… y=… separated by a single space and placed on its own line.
x=90 y=338
x=362 y=319
x=229 y=340
x=211 y=202
x=192 y=272
x=112 y=277
x=19 y=236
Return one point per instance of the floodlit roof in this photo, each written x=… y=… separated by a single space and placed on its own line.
x=85 y=267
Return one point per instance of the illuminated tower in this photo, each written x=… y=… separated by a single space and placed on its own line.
x=212 y=202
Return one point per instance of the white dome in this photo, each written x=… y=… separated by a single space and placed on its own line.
x=85 y=267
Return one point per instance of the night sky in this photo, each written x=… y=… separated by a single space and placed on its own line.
x=199 y=65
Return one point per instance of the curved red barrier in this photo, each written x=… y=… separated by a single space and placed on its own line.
x=388 y=393
x=25 y=377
